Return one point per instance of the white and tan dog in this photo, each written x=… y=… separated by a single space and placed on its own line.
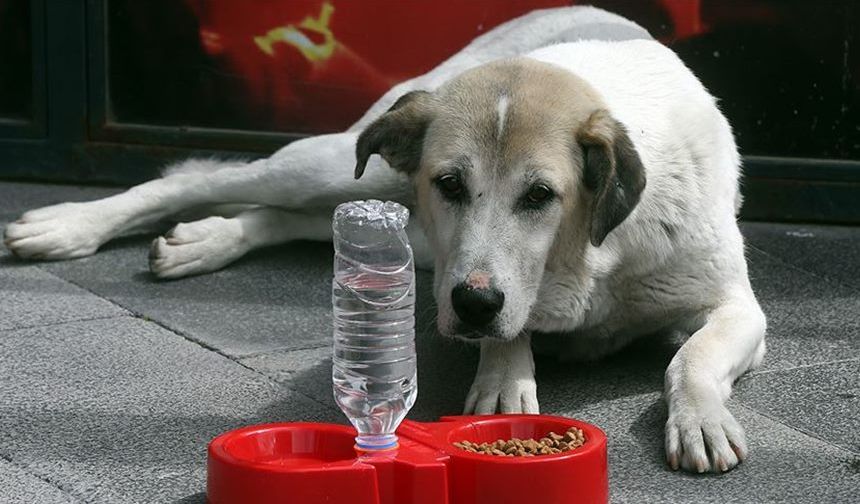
x=585 y=188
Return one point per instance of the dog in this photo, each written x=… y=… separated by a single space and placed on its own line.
x=588 y=188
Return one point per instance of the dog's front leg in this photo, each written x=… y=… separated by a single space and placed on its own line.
x=505 y=380
x=701 y=434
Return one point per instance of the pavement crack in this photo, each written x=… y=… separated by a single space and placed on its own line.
x=753 y=374
x=795 y=428
x=795 y=267
x=41 y=478
x=285 y=350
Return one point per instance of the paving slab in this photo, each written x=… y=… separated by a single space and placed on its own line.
x=784 y=465
x=121 y=410
x=822 y=401
x=17 y=486
x=829 y=251
x=811 y=320
x=272 y=300
x=32 y=297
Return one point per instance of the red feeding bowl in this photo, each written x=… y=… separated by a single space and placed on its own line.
x=310 y=463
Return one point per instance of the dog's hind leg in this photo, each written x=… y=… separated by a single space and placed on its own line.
x=70 y=230
x=214 y=242
x=315 y=172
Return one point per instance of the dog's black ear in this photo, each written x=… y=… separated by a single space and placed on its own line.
x=613 y=173
x=397 y=135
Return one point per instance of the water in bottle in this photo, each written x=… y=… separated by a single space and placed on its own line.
x=373 y=296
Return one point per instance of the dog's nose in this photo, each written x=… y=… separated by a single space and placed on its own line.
x=477 y=306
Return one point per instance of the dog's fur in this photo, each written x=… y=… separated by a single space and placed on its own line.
x=638 y=234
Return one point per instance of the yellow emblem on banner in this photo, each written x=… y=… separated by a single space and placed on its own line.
x=289 y=34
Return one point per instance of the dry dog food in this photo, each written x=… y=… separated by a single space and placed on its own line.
x=552 y=443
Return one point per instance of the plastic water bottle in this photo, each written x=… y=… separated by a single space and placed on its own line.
x=373 y=295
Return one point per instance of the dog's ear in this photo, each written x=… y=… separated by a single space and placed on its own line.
x=613 y=173
x=397 y=135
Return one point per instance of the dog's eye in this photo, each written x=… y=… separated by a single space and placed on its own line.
x=450 y=186
x=538 y=194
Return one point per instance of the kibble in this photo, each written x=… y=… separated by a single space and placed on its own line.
x=550 y=444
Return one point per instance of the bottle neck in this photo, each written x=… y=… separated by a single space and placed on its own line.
x=376 y=443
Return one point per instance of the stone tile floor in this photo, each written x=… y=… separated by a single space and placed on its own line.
x=111 y=383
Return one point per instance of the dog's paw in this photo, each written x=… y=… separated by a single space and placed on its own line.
x=197 y=247
x=501 y=392
x=64 y=231
x=702 y=438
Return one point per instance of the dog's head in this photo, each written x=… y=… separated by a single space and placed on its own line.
x=512 y=162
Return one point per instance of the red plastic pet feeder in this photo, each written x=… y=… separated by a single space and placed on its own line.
x=314 y=463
